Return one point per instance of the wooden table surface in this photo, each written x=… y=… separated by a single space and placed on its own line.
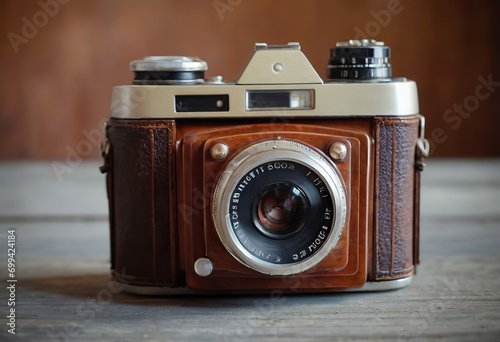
x=63 y=289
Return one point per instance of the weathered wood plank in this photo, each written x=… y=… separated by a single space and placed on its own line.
x=64 y=292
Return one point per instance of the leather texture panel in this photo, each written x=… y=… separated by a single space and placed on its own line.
x=395 y=223
x=142 y=195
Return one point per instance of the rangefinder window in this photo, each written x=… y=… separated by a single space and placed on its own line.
x=202 y=103
x=280 y=99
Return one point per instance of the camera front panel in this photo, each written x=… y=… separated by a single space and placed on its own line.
x=290 y=246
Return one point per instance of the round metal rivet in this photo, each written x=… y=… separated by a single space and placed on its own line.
x=278 y=67
x=219 y=151
x=338 y=151
x=203 y=267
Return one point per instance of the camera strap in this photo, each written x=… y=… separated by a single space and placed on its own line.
x=422 y=151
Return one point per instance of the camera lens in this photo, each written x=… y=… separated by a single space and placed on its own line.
x=281 y=210
x=360 y=60
x=279 y=207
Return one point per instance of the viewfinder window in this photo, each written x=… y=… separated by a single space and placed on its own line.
x=280 y=99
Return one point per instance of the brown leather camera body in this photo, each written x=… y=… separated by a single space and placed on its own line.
x=161 y=180
x=277 y=181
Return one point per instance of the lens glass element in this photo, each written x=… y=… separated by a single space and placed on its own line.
x=281 y=210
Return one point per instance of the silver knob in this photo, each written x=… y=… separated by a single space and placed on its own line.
x=203 y=267
x=169 y=63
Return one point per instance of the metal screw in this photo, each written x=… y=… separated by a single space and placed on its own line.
x=219 y=151
x=215 y=80
x=338 y=151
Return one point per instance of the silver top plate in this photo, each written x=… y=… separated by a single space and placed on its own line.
x=331 y=100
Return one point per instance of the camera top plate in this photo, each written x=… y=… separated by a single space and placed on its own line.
x=278 y=81
x=331 y=100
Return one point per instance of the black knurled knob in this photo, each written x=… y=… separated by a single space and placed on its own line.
x=360 y=60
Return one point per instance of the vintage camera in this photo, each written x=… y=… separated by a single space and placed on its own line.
x=278 y=181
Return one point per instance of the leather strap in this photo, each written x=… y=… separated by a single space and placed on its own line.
x=107 y=155
x=422 y=151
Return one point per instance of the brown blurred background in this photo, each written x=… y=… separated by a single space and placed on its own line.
x=59 y=59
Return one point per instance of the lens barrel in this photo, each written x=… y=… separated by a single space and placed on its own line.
x=279 y=207
x=360 y=60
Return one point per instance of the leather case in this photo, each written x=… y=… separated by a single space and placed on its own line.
x=141 y=186
x=396 y=194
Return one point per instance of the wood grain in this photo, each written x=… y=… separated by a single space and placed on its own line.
x=64 y=293
x=58 y=84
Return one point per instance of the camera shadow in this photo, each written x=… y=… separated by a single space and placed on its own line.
x=99 y=287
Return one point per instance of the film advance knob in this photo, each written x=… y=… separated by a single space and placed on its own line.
x=168 y=70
